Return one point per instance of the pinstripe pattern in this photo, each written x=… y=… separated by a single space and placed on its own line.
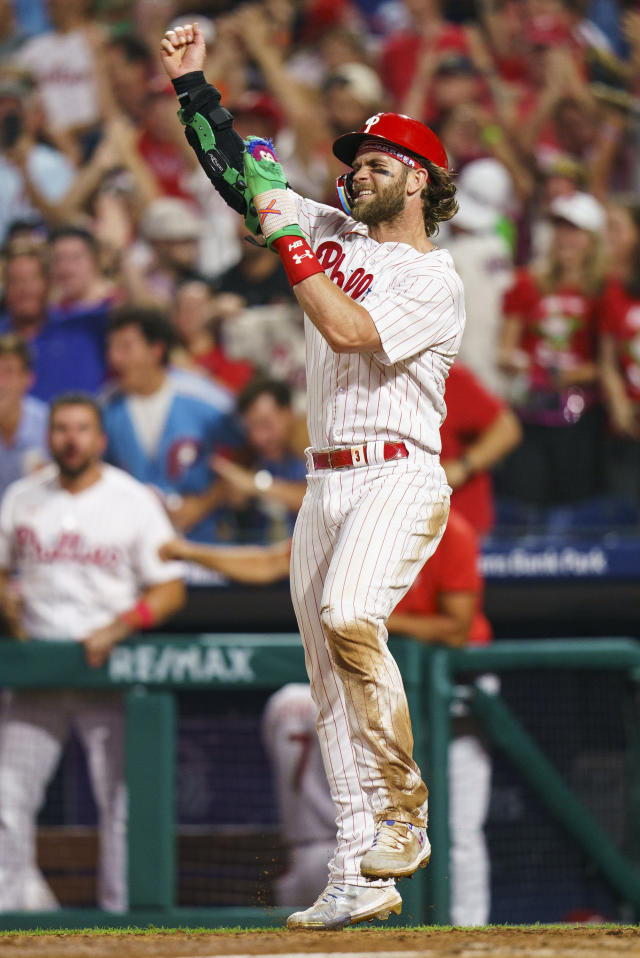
x=345 y=579
x=416 y=301
x=363 y=534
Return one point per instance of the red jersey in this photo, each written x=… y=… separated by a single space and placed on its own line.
x=559 y=330
x=452 y=568
x=470 y=410
x=619 y=316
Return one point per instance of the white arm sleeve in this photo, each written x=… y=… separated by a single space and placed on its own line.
x=153 y=530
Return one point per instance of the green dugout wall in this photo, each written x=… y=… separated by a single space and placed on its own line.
x=151 y=669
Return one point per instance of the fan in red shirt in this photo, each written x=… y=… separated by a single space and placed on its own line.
x=479 y=431
x=619 y=323
x=549 y=349
x=557 y=337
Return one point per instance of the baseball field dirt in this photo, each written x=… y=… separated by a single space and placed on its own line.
x=584 y=941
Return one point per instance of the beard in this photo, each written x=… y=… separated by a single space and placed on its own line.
x=72 y=469
x=384 y=205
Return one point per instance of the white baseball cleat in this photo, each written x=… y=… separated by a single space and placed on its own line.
x=341 y=905
x=398 y=850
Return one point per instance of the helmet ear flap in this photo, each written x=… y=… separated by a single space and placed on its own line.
x=344 y=189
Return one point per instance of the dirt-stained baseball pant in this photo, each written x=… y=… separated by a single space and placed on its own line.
x=361 y=537
x=34 y=729
x=469 y=793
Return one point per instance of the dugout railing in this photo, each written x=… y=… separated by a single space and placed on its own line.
x=152 y=669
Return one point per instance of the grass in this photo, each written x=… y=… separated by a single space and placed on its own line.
x=159 y=930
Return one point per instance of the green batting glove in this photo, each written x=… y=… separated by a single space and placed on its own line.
x=228 y=180
x=275 y=206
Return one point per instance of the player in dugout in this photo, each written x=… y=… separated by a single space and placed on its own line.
x=82 y=539
x=444 y=605
x=384 y=316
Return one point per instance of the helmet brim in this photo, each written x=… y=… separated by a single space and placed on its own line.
x=346 y=146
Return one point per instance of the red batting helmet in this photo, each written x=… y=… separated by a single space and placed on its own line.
x=400 y=130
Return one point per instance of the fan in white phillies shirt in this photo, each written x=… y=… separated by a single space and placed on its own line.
x=82 y=538
x=384 y=317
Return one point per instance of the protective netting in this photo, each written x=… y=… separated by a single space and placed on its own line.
x=584 y=722
x=229 y=847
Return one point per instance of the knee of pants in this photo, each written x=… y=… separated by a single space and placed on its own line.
x=353 y=638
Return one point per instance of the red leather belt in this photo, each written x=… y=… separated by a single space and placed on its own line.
x=355 y=456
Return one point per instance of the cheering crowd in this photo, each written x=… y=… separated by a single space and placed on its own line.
x=125 y=275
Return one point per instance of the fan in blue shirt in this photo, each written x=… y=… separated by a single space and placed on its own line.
x=163 y=424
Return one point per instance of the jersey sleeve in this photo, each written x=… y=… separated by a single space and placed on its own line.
x=6 y=530
x=315 y=218
x=415 y=312
x=153 y=530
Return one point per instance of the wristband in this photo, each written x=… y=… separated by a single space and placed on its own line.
x=297 y=257
x=140 y=616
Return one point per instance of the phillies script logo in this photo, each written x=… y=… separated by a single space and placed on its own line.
x=68 y=547
x=331 y=257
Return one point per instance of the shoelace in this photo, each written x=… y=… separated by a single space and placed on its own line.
x=389 y=836
x=328 y=894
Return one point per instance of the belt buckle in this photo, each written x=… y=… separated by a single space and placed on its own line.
x=358 y=455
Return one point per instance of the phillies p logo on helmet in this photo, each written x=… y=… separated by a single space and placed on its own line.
x=371 y=122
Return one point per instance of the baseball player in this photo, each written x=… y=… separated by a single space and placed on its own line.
x=83 y=538
x=443 y=605
x=384 y=316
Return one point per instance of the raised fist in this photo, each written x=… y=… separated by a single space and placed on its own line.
x=183 y=50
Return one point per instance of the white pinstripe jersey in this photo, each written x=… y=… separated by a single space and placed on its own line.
x=417 y=304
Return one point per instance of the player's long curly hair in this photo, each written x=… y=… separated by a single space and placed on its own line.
x=438 y=198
